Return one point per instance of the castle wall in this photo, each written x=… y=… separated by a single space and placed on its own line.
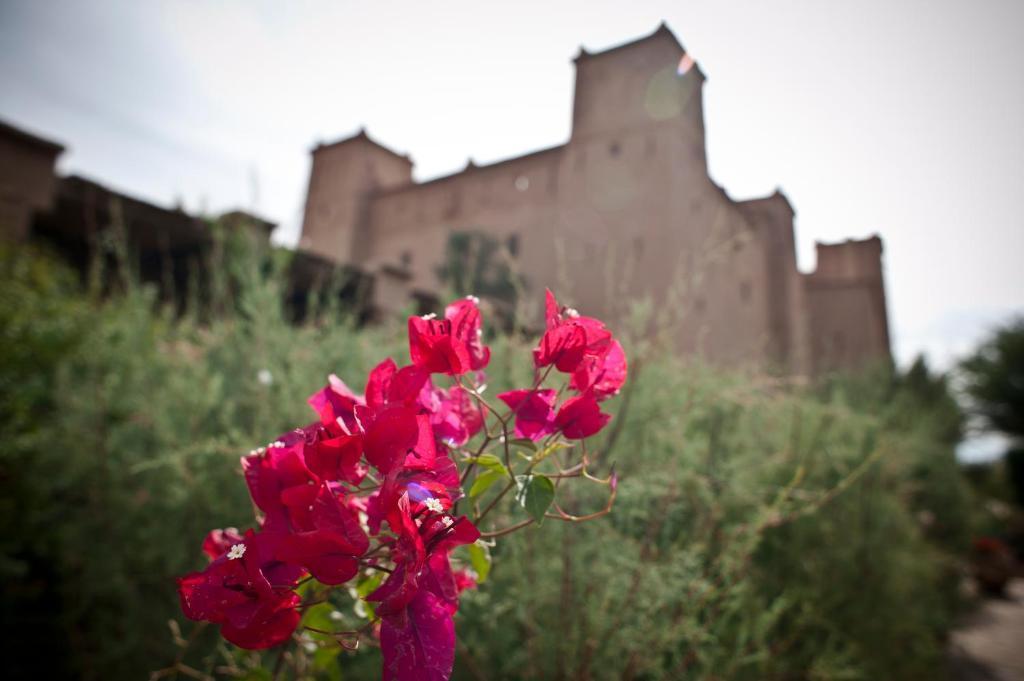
x=772 y=218
x=342 y=179
x=625 y=211
x=410 y=226
x=27 y=180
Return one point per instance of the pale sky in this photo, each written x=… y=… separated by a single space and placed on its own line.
x=901 y=117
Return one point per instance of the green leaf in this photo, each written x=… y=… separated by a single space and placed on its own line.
x=325 y=659
x=484 y=481
x=549 y=450
x=490 y=462
x=480 y=559
x=535 y=493
x=367 y=585
x=319 y=616
x=523 y=443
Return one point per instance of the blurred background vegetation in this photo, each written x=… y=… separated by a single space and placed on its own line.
x=762 y=530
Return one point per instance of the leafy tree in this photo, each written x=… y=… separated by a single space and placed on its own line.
x=929 y=393
x=995 y=379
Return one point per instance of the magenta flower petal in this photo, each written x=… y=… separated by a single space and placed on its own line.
x=393 y=433
x=270 y=626
x=534 y=411
x=218 y=542
x=434 y=348
x=569 y=338
x=581 y=417
x=422 y=648
x=602 y=376
x=465 y=317
x=334 y=403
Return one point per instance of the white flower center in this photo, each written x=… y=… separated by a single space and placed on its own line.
x=447 y=521
x=433 y=505
x=428 y=317
x=236 y=551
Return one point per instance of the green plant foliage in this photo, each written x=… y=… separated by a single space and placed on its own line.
x=995 y=379
x=535 y=493
x=485 y=481
x=479 y=264
x=758 y=532
x=480 y=560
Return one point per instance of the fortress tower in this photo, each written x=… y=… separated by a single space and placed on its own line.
x=344 y=177
x=623 y=211
x=846 y=305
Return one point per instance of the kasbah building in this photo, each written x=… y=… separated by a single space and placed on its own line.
x=624 y=211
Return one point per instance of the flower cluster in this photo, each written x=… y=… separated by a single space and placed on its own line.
x=373 y=484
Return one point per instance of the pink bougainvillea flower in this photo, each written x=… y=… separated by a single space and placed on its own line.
x=580 y=417
x=447 y=584
x=437 y=487
x=438 y=578
x=388 y=385
x=418 y=642
x=421 y=645
x=331 y=545
x=313 y=510
x=434 y=348
x=399 y=436
x=464 y=315
x=464 y=579
x=451 y=345
x=444 y=533
x=272 y=624
x=247 y=591
x=335 y=404
x=327 y=456
x=420 y=536
x=409 y=555
x=218 y=542
x=454 y=416
x=569 y=338
x=280 y=483
x=563 y=346
x=601 y=376
x=534 y=410
x=336 y=458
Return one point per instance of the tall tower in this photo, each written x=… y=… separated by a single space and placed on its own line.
x=343 y=178
x=849 y=325
x=643 y=82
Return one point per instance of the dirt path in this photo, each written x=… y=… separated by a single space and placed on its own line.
x=989 y=645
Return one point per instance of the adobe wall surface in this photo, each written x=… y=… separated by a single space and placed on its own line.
x=27 y=180
x=624 y=211
x=847 y=314
x=342 y=179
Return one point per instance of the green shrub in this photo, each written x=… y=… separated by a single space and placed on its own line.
x=760 y=531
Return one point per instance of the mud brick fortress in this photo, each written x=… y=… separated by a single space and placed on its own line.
x=625 y=210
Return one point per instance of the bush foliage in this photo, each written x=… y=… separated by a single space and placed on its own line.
x=761 y=531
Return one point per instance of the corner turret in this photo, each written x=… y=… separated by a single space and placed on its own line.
x=343 y=176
